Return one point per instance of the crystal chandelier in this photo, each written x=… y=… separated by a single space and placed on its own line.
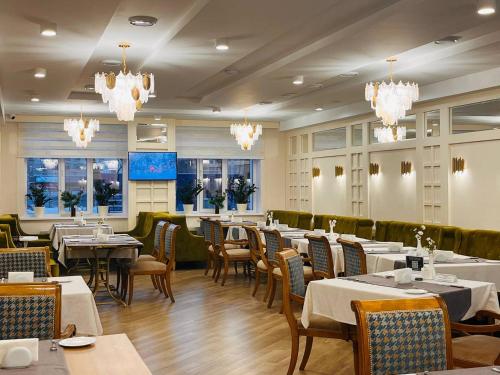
x=125 y=92
x=390 y=100
x=246 y=134
x=81 y=130
x=387 y=134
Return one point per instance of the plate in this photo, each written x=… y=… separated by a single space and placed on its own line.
x=416 y=291
x=77 y=342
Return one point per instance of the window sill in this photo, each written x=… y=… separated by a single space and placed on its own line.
x=69 y=218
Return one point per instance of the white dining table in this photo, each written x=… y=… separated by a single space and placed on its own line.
x=331 y=298
x=78 y=306
x=59 y=230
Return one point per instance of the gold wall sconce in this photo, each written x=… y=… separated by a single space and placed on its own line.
x=405 y=167
x=374 y=169
x=457 y=165
x=339 y=171
x=316 y=172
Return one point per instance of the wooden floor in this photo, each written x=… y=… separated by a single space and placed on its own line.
x=215 y=330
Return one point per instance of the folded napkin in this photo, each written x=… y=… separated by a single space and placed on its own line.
x=30 y=344
x=402 y=276
x=443 y=255
x=20 y=277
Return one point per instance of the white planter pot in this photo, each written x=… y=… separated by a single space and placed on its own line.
x=102 y=211
x=188 y=208
x=242 y=207
x=39 y=211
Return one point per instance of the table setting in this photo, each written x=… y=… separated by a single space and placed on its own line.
x=79 y=227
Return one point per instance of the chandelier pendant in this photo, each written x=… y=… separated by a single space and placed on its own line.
x=246 y=134
x=126 y=92
x=81 y=130
x=389 y=134
x=391 y=100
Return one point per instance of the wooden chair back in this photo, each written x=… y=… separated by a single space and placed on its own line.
x=31 y=259
x=354 y=258
x=207 y=230
x=274 y=245
x=30 y=310
x=255 y=244
x=320 y=253
x=403 y=336
x=167 y=243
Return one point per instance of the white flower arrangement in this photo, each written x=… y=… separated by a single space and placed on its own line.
x=332 y=224
x=419 y=232
x=431 y=245
x=270 y=217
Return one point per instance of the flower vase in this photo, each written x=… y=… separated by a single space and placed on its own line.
x=431 y=265
x=217 y=210
x=420 y=250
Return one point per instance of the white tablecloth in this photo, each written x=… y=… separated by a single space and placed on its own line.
x=78 y=306
x=331 y=298
x=59 y=230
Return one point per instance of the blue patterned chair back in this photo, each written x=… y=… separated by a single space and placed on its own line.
x=354 y=258
x=273 y=245
x=157 y=241
x=406 y=340
x=254 y=243
x=206 y=229
x=29 y=315
x=321 y=256
x=169 y=237
x=23 y=261
x=296 y=275
x=218 y=233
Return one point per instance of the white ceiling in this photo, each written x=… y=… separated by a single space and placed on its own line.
x=270 y=42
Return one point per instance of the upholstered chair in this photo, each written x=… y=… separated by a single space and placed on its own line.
x=403 y=336
x=354 y=258
x=320 y=253
x=32 y=259
x=6 y=228
x=274 y=245
x=294 y=290
x=31 y=311
x=259 y=258
x=206 y=228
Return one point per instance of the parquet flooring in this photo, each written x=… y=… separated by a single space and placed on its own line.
x=214 y=330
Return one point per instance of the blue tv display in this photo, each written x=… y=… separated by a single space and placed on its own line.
x=152 y=166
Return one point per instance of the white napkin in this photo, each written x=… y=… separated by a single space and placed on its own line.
x=319 y=231
x=20 y=277
x=30 y=344
x=282 y=226
x=402 y=276
x=261 y=224
x=443 y=255
x=396 y=247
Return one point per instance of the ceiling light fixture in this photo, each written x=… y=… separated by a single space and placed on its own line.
x=450 y=39
x=216 y=109
x=35 y=99
x=318 y=109
x=389 y=134
x=298 y=80
x=221 y=45
x=390 y=100
x=81 y=130
x=486 y=7
x=143 y=21
x=246 y=134
x=157 y=118
x=125 y=92
x=40 y=73
x=48 y=29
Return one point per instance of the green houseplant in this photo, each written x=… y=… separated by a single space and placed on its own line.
x=38 y=196
x=104 y=193
x=71 y=200
x=188 y=193
x=240 y=189
x=217 y=200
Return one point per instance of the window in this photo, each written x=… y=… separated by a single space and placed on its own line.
x=357 y=135
x=215 y=175
x=329 y=139
x=475 y=117
x=73 y=175
x=432 y=123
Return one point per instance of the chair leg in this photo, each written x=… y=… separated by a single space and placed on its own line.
x=209 y=261
x=217 y=273
x=226 y=271
x=161 y=280
x=215 y=265
x=153 y=280
x=294 y=354
x=268 y=286
x=235 y=268
x=118 y=278
x=130 y=288
x=169 y=287
x=257 y=281
x=307 y=352
x=272 y=293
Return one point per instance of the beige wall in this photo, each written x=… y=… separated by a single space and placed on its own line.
x=329 y=192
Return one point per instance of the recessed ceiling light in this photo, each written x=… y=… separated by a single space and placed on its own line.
x=221 y=45
x=152 y=95
x=265 y=102
x=486 y=7
x=157 y=118
x=448 y=39
x=40 y=73
x=48 y=29
x=298 y=80
x=349 y=75
x=318 y=109
x=110 y=62
x=216 y=110
x=89 y=87
x=142 y=21
x=34 y=99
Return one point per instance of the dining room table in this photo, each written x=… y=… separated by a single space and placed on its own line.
x=59 y=230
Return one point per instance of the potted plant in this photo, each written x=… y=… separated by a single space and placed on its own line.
x=241 y=190
x=38 y=196
x=188 y=194
x=71 y=200
x=104 y=193
x=217 y=200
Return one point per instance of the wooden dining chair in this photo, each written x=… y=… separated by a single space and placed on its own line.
x=31 y=310
x=478 y=347
x=294 y=289
x=32 y=259
x=258 y=255
x=320 y=253
x=403 y=336
x=274 y=245
x=160 y=269
x=354 y=258
x=227 y=251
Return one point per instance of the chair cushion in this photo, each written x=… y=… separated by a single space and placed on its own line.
x=238 y=252
x=319 y=322
x=146 y=257
x=479 y=349
x=229 y=246
x=261 y=265
x=150 y=266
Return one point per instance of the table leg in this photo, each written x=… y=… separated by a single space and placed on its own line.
x=108 y=286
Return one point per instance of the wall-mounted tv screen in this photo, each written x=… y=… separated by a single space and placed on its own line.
x=152 y=166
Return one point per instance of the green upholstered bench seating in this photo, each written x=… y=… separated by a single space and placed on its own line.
x=294 y=219
x=361 y=227
x=480 y=243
